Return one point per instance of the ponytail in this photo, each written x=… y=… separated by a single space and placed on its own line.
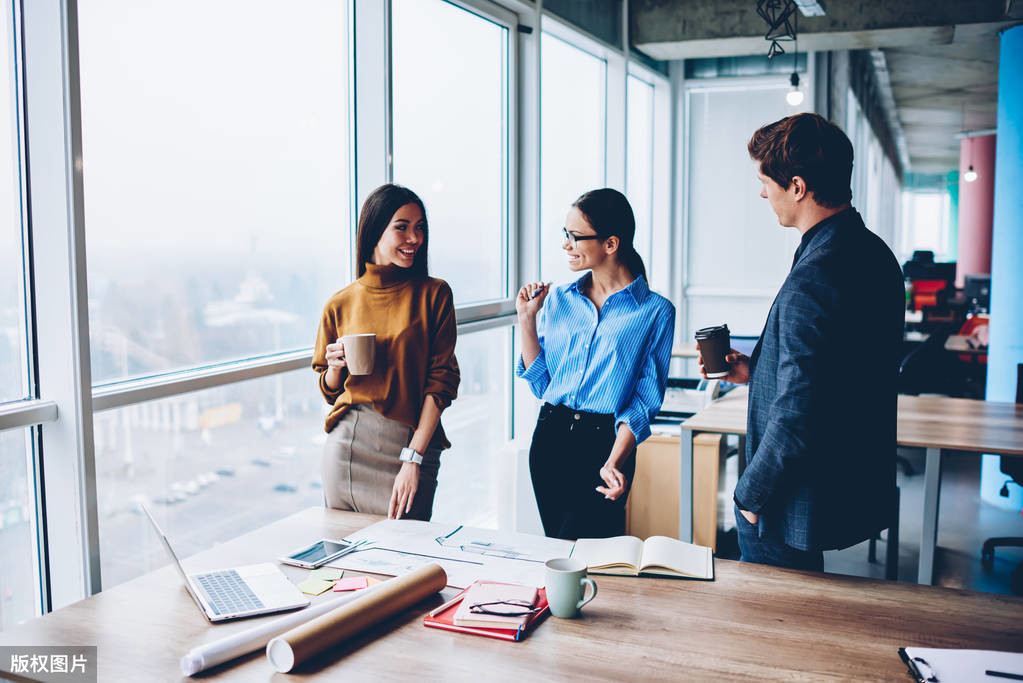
x=633 y=261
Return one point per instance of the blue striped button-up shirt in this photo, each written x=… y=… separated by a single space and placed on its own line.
x=614 y=361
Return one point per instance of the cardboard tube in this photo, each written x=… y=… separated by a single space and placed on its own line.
x=391 y=597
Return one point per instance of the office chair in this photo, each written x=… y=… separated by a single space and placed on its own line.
x=1013 y=467
x=928 y=368
x=891 y=551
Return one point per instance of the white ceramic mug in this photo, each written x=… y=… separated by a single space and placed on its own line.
x=566 y=583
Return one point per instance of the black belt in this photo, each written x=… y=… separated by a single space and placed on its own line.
x=576 y=417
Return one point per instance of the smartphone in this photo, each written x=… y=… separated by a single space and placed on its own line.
x=317 y=554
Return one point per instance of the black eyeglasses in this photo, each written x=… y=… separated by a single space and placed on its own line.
x=578 y=238
x=504 y=608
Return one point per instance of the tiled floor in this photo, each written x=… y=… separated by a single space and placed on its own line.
x=964 y=523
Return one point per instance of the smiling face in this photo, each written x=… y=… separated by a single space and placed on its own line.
x=402 y=238
x=586 y=254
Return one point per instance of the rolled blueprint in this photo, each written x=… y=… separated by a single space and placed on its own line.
x=388 y=598
x=256 y=638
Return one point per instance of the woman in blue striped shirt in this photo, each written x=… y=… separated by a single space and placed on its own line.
x=597 y=352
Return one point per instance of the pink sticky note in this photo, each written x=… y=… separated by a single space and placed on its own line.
x=351 y=584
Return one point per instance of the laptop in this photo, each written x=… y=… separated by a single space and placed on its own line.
x=239 y=592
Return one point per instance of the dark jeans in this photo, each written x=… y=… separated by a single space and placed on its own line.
x=569 y=448
x=773 y=551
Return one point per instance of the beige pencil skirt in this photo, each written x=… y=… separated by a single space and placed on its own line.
x=360 y=462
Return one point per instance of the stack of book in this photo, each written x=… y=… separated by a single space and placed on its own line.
x=456 y=614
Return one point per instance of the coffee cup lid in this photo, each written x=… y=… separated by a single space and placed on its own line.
x=714 y=330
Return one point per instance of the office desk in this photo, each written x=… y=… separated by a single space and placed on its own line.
x=753 y=622
x=935 y=423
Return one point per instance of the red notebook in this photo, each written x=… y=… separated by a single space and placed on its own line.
x=445 y=619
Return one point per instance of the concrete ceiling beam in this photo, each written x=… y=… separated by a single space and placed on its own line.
x=682 y=29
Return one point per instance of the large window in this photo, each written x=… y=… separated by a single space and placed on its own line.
x=572 y=142
x=19 y=576
x=178 y=267
x=476 y=424
x=639 y=169
x=925 y=223
x=212 y=464
x=215 y=145
x=451 y=128
x=13 y=345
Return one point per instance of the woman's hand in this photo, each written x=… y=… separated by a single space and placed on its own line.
x=335 y=365
x=615 y=480
x=336 y=355
x=530 y=299
x=404 y=491
x=738 y=370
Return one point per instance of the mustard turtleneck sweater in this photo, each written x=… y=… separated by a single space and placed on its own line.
x=414 y=322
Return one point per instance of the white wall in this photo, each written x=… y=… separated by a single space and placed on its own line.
x=735 y=254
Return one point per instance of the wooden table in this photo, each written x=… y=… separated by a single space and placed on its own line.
x=753 y=622
x=935 y=423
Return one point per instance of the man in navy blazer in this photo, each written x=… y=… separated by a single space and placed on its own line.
x=821 y=441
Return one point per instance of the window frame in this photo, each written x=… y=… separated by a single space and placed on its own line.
x=64 y=400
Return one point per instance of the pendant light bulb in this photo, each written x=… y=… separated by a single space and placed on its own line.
x=970 y=174
x=794 y=96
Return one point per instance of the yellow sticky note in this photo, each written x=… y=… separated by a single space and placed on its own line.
x=315 y=586
x=326 y=574
x=372 y=582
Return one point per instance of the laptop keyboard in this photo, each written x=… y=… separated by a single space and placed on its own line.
x=227 y=592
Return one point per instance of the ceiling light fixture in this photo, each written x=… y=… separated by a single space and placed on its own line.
x=781 y=18
x=782 y=26
x=795 y=96
x=970 y=175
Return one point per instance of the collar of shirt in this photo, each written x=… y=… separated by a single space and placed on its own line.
x=809 y=234
x=638 y=288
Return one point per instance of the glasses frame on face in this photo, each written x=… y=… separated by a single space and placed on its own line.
x=574 y=239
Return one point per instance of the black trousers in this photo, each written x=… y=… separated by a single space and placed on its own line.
x=569 y=448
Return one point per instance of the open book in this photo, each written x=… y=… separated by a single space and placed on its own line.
x=657 y=556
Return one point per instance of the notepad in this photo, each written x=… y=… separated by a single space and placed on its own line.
x=479 y=593
x=315 y=586
x=657 y=556
x=443 y=618
x=353 y=583
x=950 y=665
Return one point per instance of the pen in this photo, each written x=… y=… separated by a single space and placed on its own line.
x=1002 y=674
x=536 y=292
x=450 y=603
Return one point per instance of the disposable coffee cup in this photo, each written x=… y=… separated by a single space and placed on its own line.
x=360 y=352
x=714 y=343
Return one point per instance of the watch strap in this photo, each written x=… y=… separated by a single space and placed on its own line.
x=409 y=455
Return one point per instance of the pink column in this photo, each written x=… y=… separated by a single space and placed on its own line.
x=976 y=206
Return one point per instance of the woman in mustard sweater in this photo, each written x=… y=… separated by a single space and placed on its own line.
x=384 y=436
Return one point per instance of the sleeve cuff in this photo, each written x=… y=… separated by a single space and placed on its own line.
x=536 y=375
x=751 y=503
x=638 y=425
x=330 y=395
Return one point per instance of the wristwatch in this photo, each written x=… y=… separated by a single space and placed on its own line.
x=409 y=455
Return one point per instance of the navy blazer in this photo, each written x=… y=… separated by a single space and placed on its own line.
x=821 y=422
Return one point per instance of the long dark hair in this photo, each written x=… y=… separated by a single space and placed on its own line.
x=609 y=213
x=377 y=211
